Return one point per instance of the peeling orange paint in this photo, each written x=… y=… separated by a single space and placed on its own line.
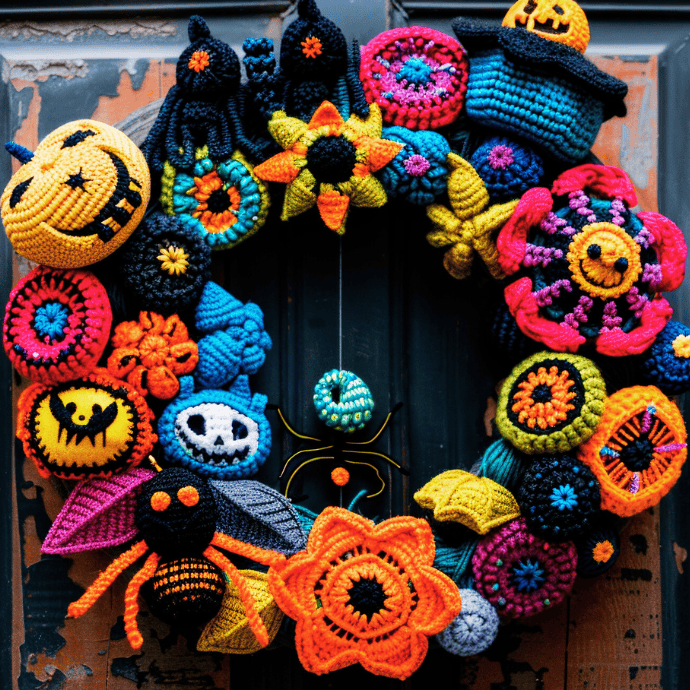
x=27 y=134
x=681 y=555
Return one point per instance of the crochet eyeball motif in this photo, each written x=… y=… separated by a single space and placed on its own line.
x=519 y=573
x=224 y=203
x=597 y=551
x=165 y=265
x=56 y=324
x=559 y=497
x=343 y=401
x=666 y=364
x=592 y=268
x=215 y=433
x=78 y=197
x=91 y=427
x=416 y=75
x=550 y=403
x=637 y=451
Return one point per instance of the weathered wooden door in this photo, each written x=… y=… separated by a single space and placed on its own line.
x=377 y=302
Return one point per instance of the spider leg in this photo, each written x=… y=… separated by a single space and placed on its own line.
x=255 y=623
x=290 y=430
x=383 y=483
x=294 y=455
x=241 y=548
x=306 y=462
x=105 y=579
x=131 y=595
x=380 y=431
x=379 y=455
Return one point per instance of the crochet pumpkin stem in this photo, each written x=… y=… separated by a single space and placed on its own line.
x=254 y=553
x=255 y=623
x=131 y=604
x=106 y=578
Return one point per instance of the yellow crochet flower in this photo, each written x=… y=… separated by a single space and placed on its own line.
x=329 y=162
x=174 y=260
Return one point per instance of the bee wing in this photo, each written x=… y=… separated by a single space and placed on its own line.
x=98 y=513
x=254 y=513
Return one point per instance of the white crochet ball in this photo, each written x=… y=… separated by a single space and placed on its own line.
x=474 y=629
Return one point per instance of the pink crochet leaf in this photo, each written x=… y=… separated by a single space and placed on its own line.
x=605 y=181
x=655 y=316
x=531 y=210
x=670 y=247
x=523 y=306
x=98 y=513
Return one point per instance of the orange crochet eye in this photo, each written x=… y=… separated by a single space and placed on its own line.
x=199 y=61
x=188 y=495
x=311 y=47
x=160 y=501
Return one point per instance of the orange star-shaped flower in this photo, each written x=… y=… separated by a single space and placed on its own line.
x=365 y=594
x=311 y=47
x=328 y=162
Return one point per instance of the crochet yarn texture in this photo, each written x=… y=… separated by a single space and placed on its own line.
x=91 y=427
x=551 y=402
x=597 y=551
x=101 y=197
x=519 y=573
x=474 y=630
x=476 y=502
x=343 y=401
x=666 y=364
x=416 y=75
x=637 y=451
x=56 y=324
x=365 y=593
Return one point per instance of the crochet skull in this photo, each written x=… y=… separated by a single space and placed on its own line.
x=592 y=269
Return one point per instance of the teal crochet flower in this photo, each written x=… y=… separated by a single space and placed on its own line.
x=51 y=319
x=528 y=576
x=564 y=497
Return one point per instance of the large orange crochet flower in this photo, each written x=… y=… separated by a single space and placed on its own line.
x=329 y=162
x=365 y=593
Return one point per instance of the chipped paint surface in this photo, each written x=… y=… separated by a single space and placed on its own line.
x=69 y=30
x=36 y=70
x=680 y=555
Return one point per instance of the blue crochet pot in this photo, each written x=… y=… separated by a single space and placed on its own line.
x=551 y=111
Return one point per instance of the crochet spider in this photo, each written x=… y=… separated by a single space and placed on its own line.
x=199 y=109
x=338 y=449
x=178 y=516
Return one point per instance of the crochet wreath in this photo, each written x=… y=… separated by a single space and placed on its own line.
x=582 y=268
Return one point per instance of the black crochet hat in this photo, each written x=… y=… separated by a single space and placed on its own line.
x=559 y=497
x=312 y=46
x=207 y=67
x=165 y=264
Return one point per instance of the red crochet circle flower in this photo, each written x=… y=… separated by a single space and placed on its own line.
x=365 y=593
x=418 y=77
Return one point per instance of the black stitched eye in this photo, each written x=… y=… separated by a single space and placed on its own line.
x=197 y=424
x=558 y=9
x=77 y=138
x=96 y=409
x=71 y=407
x=18 y=191
x=530 y=7
x=239 y=430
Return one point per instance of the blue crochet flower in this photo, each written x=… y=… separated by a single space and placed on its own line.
x=528 y=576
x=564 y=497
x=51 y=320
x=418 y=173
x=507 y=168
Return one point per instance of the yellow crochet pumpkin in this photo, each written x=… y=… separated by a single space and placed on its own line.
x=78 y=198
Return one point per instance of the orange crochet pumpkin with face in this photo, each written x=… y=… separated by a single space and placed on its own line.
x=79 y=198
x=562 y=21
x=365 y=594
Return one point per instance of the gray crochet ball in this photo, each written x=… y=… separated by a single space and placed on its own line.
x=474 y=629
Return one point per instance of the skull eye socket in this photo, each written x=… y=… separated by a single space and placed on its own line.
x=188 y=495
x=239 y=431
x=160 y=501
x=197 y=424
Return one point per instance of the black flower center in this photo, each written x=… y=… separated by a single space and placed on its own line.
x=541 y=393
x=367 y=597
x=218 y=201
x=637 y=456
x=331 y=159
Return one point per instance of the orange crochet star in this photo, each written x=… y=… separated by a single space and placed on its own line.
x=328 y=162
x=365 y=594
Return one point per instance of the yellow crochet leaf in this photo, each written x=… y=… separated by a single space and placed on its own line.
x=286 y=130
x=367 y=192
x=476 y=502
x=299 y=195
x=371 y=126
x=466 y=190
x=229 y=631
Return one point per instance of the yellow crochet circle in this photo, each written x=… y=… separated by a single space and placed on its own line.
x=79 y=198
x=562 y=21
x=681 y=346
x=604 y=260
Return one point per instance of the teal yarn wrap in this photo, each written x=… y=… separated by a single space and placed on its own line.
x=503 y=464
x=455 y=561
x=550 y=110
x=343 y=401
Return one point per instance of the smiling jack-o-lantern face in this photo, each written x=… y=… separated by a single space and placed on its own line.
x=604 y=260
x=562 y=21
x=79 y=198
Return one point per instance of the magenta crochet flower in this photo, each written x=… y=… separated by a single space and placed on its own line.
x=521 y=574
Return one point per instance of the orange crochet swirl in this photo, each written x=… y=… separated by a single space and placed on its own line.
x=365 y=594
